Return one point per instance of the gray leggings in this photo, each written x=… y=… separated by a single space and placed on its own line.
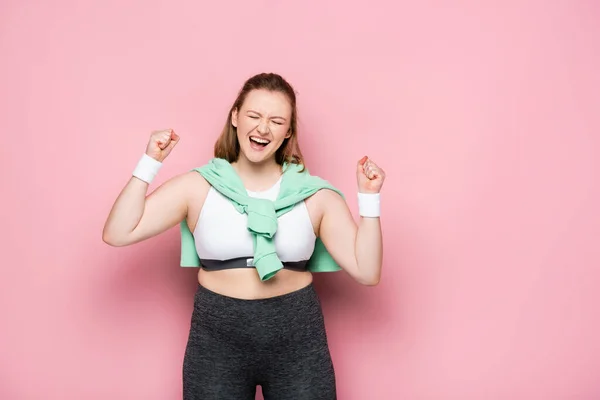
x=278 y=343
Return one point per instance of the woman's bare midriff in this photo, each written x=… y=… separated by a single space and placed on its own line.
x=244 y=283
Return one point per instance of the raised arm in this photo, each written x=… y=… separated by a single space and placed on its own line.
x=357 y=248
x=136 y=216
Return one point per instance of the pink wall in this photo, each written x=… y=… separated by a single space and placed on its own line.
x=486 y=118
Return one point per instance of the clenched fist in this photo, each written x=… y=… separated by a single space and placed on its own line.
x=161 y=143
x=370 y=177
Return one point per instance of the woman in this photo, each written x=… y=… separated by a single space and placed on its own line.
x=252 y=328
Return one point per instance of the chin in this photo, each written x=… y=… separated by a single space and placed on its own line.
x=255 y=157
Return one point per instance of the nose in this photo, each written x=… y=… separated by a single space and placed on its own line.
x=263 y=127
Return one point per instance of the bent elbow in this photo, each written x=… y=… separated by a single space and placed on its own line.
x=369 y=281
x=111 y=240
x=373 y=282
x=108 y=240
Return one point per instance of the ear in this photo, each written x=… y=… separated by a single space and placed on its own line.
x=234 y=118
x=288 y=134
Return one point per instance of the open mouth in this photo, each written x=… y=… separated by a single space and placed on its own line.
x=258 y=143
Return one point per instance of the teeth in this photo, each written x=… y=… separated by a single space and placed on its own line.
x=264 y=141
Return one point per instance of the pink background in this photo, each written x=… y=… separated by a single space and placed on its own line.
x=485 y=116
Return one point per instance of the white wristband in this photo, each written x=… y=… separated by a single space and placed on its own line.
x=147 y=168
x=369 y=205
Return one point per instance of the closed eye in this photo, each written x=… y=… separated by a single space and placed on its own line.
x=256 y=115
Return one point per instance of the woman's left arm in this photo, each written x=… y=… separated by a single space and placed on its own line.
x=358 y=249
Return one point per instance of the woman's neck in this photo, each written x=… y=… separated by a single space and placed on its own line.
x=257 y=176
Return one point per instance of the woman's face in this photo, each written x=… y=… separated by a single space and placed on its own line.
x=263 y=123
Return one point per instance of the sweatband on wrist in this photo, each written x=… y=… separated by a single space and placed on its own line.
x=369 y=205
x=147 y=168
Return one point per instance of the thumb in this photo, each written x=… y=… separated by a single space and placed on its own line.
x=174 y=140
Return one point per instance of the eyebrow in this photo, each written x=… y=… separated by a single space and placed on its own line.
x=256 y=112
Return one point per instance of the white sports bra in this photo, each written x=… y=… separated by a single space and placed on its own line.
x=223 y=241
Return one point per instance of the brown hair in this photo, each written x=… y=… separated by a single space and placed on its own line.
x=227 y=145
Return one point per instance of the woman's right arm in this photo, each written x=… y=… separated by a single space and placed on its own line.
x=136 y=216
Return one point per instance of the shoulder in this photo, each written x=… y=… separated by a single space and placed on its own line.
x=188 y=185
x=325 y=202
x=188 y=179
x=325 y=199
x=324 y=192
x=196 y=181
x=329 y=196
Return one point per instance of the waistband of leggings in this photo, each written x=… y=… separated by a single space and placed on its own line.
x=204 y=293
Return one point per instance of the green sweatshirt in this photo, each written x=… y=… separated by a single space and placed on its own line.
x=262 y=215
